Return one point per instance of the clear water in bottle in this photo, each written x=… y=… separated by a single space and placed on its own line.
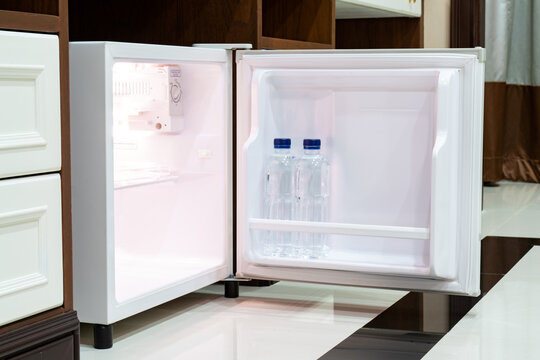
x=279 y=195
x=311 y=199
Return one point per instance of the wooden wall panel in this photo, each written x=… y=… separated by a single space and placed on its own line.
x=232 y=21
x=385 y=33
x=124 y=20
x=180 y=22
x=310 y=21
x=467 y=23
x=49 y=7
x=279 y=24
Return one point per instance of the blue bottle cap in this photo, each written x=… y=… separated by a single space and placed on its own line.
x=282 y=143
x=312 y=144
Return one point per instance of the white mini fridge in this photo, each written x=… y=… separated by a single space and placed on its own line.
x=153 y=168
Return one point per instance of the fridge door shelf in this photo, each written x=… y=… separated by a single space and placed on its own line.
x=350 y=257
x=403 y=232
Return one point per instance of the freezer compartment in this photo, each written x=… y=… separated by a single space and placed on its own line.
x=170 y=158
x=389 y=138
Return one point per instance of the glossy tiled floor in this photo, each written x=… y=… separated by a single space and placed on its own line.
x=304 y=321
x=511 y=209
x=505 y=324
x=284 y=321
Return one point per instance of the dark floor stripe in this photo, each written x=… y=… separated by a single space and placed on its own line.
x=397 y=332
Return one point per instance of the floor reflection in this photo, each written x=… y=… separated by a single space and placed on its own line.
x=283 y=321
x=511 y=209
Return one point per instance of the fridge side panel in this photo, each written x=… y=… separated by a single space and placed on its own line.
x=88 y=179
x=476 y=183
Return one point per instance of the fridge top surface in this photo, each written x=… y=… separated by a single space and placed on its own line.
x=217 y=51
x=479 y=52
x=150 y=52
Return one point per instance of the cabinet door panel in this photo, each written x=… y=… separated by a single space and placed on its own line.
x=30 y=246
x=29 y=104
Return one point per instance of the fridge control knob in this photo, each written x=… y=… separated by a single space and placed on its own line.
x=175 y=91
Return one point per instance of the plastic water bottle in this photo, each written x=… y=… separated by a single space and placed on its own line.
x=279 y=195
x=311 y=199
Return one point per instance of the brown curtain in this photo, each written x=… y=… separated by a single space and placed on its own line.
x=512 y=96
x=511 y=132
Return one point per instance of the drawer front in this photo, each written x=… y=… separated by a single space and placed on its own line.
x=31 y=278
x=29 y=103
x=62 y=349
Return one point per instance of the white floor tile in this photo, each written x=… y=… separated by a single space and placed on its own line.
x=512 y=209
x=505 y=324
x=283 y=321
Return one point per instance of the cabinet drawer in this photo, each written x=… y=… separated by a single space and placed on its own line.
x=31 y=278
x=62 y=349
x=29 y=103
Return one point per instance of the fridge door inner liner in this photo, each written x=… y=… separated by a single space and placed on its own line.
x=391 y=139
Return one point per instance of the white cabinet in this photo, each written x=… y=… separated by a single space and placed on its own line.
x=29 y=104
x=31 y=278
x=356 y=9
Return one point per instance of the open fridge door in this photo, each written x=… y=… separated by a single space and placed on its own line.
x=401 y=131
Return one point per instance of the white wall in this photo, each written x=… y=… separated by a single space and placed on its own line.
x=437 y=23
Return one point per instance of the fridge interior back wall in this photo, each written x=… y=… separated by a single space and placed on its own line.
x=152 y=168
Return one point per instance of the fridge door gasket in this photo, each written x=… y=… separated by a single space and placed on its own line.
x=454 y=225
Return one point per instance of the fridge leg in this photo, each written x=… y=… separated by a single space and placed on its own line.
x=103 y=336
x=231 y=289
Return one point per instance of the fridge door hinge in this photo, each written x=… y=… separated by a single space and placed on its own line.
x=234 y=278
x=238 y=46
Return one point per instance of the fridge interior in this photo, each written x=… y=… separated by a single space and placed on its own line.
x=378 y=130
x=170 y=173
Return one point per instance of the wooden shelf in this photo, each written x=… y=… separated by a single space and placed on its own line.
x=381 y=33
x=364 y=9
x=276 y=43
x=25 y=21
